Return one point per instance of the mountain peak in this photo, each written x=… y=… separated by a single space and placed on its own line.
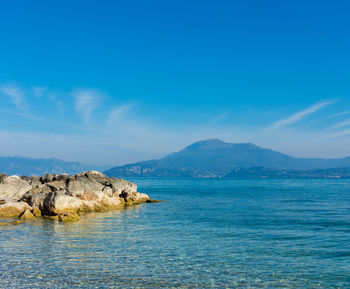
x=213 y=143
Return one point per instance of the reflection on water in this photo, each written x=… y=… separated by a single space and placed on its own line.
x=209 y=234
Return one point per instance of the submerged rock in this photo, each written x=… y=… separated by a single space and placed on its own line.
x=68 y=217
x=64 y=195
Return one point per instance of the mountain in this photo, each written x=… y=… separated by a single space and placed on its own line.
x=216 y=158
x=30 y=167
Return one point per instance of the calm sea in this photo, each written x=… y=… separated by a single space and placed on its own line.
x=209 y=234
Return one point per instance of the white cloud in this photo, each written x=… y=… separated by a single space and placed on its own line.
x=335 y=135
x=339 y=114
x=86 y=101
x=300 y=115
x=341 y=124
x=218 y=118
x=16 y=95
x=117 y=112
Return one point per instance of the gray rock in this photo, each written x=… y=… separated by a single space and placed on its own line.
x=13 y=188
x=57 y=185
x=81 y=185
x=58 y=202
x=52 y=195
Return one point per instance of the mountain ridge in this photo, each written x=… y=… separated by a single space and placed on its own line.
x=16 y=165
x=216 y=158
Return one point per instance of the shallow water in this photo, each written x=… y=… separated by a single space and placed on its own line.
x=209 y=234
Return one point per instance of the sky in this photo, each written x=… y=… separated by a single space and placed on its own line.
x=112 y=82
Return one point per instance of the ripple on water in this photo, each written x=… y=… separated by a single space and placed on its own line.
x=210 y=234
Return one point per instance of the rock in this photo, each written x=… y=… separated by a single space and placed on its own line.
x=108 y=191
x=62 y=177
x=89 y=196
x=13 y=188
x=13 y=209
x=35 y=182
x=26 y=215
x=59 y=202
x=154 y=201
x=36 y=212
x=47 y=178
x=52 y=195
x=81 y=185
x=68 y=217
x=25 y=178
x=120 y=185
x=2 y=177
x=35 y=197
x=57 y=185
x=137 y=198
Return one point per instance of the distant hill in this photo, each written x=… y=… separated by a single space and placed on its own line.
x=262 y=173
x=216 y=158
x=29 y=166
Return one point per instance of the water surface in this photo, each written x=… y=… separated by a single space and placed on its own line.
x=209 y=234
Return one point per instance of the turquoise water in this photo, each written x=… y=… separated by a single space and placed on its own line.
x=209 y=234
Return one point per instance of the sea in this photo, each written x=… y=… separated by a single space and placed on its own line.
x=209 y=233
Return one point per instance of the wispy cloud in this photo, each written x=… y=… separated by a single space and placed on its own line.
x=117 y=112
x=300 y=115
x=218 y=118
x=341 y=124
x=16 y=95
x=338 y=134
x=86 y=101
x=339 y=114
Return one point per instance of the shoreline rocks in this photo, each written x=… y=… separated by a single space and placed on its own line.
x=65 y=196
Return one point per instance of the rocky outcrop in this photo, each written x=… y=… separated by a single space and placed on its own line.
x=65 y=196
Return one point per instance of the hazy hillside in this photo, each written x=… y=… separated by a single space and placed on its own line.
x=215 y=158
x=262 y=173
x=29 y=166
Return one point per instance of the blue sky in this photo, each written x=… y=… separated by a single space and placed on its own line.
x=110 y=82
